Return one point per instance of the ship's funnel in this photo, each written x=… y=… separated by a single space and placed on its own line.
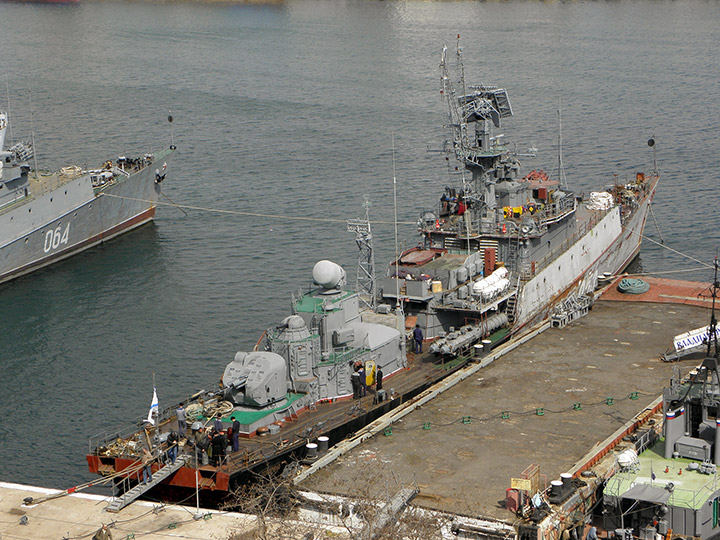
x=674 y=429
x=328 y=275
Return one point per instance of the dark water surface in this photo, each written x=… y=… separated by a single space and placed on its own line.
x=292 y=109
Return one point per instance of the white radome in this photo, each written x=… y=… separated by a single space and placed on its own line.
x=327 y=274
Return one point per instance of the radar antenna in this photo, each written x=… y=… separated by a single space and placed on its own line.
x=365 y=282
x=478 y=104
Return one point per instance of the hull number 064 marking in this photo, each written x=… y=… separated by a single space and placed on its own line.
x=55 y=237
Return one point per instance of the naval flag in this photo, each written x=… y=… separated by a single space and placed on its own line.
x=153 y=408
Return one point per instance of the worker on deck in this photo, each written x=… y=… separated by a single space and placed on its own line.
x=181 y=420
x=235 y=434
x=363 y=381
x=355 y=382
x=417 y=338
x=219 y=443
x=200 y=442
x=147 y=460
x=172 y=442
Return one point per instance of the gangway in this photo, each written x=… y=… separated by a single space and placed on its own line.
x=118 y=503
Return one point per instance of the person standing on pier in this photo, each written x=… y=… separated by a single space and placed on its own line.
x=103 y=533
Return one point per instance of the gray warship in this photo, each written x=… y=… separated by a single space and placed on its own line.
x=48 y=216
x=292 y=389
x=501 y=250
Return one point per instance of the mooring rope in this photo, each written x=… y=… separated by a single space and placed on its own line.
x=251 y=214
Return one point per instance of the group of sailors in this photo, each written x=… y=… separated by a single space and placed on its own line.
x=211 y=444
x=126 y=163
x=451 y=204
x=358 y=380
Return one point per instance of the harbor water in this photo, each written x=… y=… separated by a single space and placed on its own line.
x=295 y=110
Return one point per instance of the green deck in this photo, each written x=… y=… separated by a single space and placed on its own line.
x=313 y=304
x=248 y=417
x=692 y=489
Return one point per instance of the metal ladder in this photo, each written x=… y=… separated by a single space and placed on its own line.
x=118 y=503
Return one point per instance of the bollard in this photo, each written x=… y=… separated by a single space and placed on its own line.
x=323 y=443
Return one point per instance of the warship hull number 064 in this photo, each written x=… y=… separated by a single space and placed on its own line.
x=496 y=254
x=47 y=217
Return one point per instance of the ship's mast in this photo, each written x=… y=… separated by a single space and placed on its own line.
x=365 y=282
x=7 y=115
x=712 y=329
x=32 y=135
x=473 y=111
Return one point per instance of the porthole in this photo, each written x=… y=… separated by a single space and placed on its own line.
x=29 y=209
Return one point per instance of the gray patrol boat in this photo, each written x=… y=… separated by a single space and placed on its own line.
x=46 y=217
x=303 y=382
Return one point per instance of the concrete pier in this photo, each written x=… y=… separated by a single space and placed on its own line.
x=547 y=403
x=79 y=516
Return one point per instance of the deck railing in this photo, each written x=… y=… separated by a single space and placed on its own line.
x=109 y=436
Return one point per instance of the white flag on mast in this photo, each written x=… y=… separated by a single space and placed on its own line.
x=153 y=408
